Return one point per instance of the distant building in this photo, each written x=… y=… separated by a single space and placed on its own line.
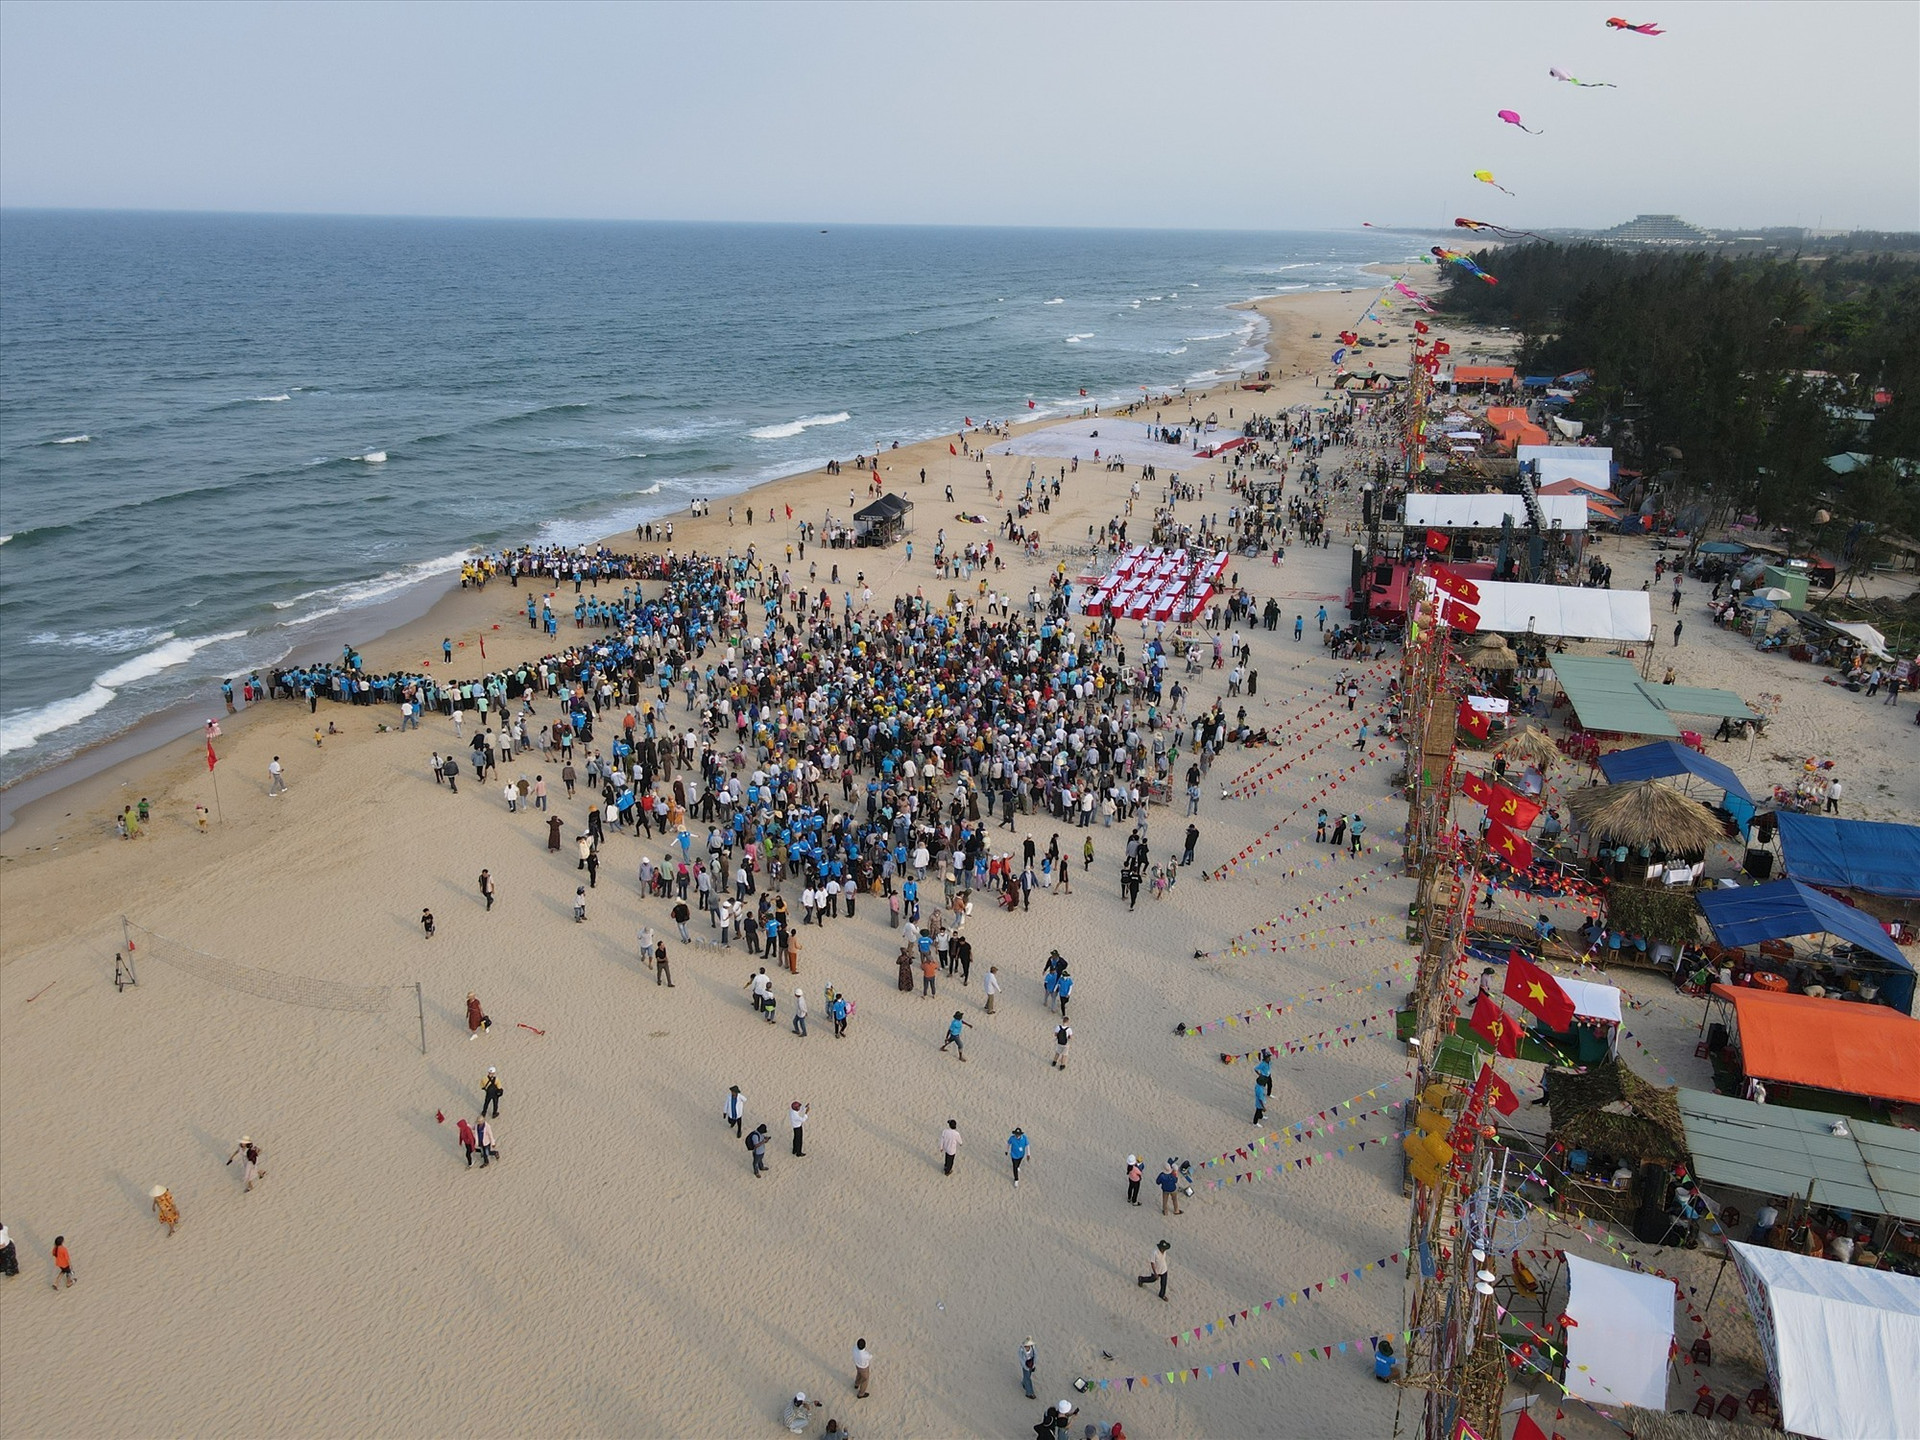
x=1657 y=230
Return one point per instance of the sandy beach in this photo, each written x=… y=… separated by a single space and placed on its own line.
x=620 y=1270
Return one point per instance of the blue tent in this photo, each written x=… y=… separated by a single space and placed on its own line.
x=1670 y=757
x=1787 y=908
x=1864 y=855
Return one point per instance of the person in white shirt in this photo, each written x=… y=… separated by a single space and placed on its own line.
x=950 y=1144
x=862 y=1367
x=797 y=1118
x=276 y=777
x=992 y=987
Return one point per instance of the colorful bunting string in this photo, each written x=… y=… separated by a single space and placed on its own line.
x=1291 y=1133
x=1294 y=1297
x=1362 y=1346
x=1274 y=1009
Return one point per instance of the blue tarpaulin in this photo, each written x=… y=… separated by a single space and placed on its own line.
x=1787 y=908
x=1670 y=757
x=1864 y=855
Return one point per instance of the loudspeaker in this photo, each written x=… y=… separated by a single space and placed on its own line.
x=1759 y=864
x=1716 y=1038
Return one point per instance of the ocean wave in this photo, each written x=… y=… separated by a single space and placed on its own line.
x=372 y=457
x=115 y=640
x=70 y=440
x=685 y=430
x=268 y=399
x=1076 y=339
x=353 y=593
x=1057 y=300
x=28 y=727
x=4 y=539
x=795 y=427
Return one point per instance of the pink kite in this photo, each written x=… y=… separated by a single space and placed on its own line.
x=1616 y=23
x=1560 y=74
x=1512 y=117
x=1485 y=177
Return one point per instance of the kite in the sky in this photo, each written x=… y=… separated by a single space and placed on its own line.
x=1465 y=262
x=1616 y=23
x=1485 y=177
x=1412 y=294
x=1512 y=117
x=1560 y=74
x=1500 y=230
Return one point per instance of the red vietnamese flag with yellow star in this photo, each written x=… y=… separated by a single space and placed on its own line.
x=1496 y=1027
x=1476 y=789
x=1537 y=991
x=1511 y=848
x=1499 y=1092
x=1472 y=721
x=1510 y=807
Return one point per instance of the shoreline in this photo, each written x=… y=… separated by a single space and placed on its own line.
x=138 y=756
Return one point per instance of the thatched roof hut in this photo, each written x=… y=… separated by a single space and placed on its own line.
x=1530 y=747
x=1645 y=812
x=1490 y=652
x=1606 y=1107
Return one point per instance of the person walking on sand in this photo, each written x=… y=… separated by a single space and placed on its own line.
x=426 y=921
x=757 y=1143
x=490 y=1092
x=9 y=1254
x=800 y=1014
x=992 y=987
x=250 y=1170
x=164 y=1208
x=1017 y=1147
x=276 y=778
x=1156 y=1268
x=955 y=1026
x=797 y=1119
x=477 y=1017
x=1134 y=1173
x=468 y=1140
x=862 y=1368
x=488 y=1150
x=62 y=1261
x=1062 y=1038
x=735 y=1109
x=486 y=888
x=950 y=1145
x=1029 y=1363
x=662 y=971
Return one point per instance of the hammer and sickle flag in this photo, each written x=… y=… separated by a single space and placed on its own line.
x=1510 y=807
x=1496 y=1027
x=1458 y=586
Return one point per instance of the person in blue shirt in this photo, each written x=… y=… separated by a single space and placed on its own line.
x=1017 y=1151
x=955 y=1027
x=1065 y=990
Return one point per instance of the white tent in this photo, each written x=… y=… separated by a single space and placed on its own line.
x=1590 y=463
x=1485 y=512
x=1623 y=1329
x=1591 y=1001
x=1572 y=611
x=1842 y=1343
x=1875 y=642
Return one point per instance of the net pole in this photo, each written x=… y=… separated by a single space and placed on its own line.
x=420 y=1004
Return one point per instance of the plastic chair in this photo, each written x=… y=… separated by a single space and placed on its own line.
x=1729 y=1407
x=1704 y=1404
x=1702 y=1351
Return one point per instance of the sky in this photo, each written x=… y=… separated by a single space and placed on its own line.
x=1188 y=115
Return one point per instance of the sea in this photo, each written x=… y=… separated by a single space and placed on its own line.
x=228 y=439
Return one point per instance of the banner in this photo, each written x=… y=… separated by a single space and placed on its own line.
x=1292 y=1297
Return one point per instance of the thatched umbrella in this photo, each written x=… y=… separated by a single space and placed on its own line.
x=1530 y=747
x=1646 y=812
x=1490 y=652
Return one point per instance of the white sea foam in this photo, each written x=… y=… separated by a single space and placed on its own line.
x=372 y=457
x=116 y=640
x=23 y=728
x=795 y=427
x=335 y=598
x=1076 y=339
x=73 y=440
x=4 y=539
x=685 y=430
x=270 y=399
x=1057 y=300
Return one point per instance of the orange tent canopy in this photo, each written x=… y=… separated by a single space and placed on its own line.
x=1829 y=1044
x=1498 y=415
x=1482 y=374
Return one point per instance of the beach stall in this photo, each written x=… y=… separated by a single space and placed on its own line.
x=883 y=521
x=1607 y=693
x=1871 y=856
x=1592 y=464
x=1621 y=1335
x=1852 y=954
x=1842 y=1344
x=1824 y=1049
x=1666 y=759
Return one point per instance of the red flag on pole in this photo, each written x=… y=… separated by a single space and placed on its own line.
x=212 y=759
x=950 y=449
x=1496 y=1027
x=1511 y=808
x=1499 y=1092
x=1459 y=616
x=1510 y=847
x=1473 y=722
x=1083 y=392
x=789 y=512
x=1526 y=1428
x=1458 y=586
x=1476 y=789
x=1436 y=540
x=1030 y=404
x=1537 y=991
